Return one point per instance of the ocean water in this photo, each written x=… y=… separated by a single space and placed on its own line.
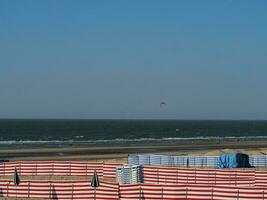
x=124 y=132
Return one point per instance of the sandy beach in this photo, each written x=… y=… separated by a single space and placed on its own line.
x=120 y=153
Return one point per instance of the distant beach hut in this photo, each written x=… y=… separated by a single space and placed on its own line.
x=16 y=177
x=95 y=183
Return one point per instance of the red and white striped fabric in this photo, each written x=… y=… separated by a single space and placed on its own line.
x=60 y=169
x=194 y=192
x=162 y=175
x=63 y=190
x=109 y=171
x=152 y=191
x=261 y=178
x=58 y=190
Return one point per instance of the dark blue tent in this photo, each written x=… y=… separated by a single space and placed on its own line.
x=233 y=160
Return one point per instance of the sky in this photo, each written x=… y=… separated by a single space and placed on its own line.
x=102 y=59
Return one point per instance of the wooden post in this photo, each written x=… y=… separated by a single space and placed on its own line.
x=4 y=168
x=72 y=190
x=177 y=176
x=50 y=191
x=237 y=194
x=28 y=189
x=158 y=175
x=235 y=178
x=195 y=175
x=94 y=193
x=119 y=192
x=263 y=194
x=215 y=176
x=162 y=193
x=212 y=192
x=7 y=189
x=140 y=193
x=53 y=169
x=19 y=169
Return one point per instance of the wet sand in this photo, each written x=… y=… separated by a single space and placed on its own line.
x=120 y=153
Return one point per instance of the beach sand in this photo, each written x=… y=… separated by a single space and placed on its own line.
x=118 y=154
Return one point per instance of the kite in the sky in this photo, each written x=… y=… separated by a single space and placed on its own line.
x=163 y=103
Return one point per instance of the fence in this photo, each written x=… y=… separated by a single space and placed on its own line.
x=27 y=168
x=167 y=175
x=163 y=175
x=150 y=174
x=188 y=161
x=178 y=191
x=73 y=190
x=157 y=160
x=261 y=178
x=58 y=190
x=258 y=160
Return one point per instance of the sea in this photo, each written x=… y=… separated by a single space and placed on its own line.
x=58 y=132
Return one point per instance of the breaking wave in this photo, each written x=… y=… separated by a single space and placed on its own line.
x=128 y=141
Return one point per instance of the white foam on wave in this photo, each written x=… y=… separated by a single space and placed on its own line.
x=126 y=140
x=79 y=136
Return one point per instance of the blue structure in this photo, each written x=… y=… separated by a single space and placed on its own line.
x=234 y=160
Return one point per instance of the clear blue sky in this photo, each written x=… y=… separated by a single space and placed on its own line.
x=120 y=59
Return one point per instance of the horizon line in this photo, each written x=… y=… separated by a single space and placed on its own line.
x=131 y=119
